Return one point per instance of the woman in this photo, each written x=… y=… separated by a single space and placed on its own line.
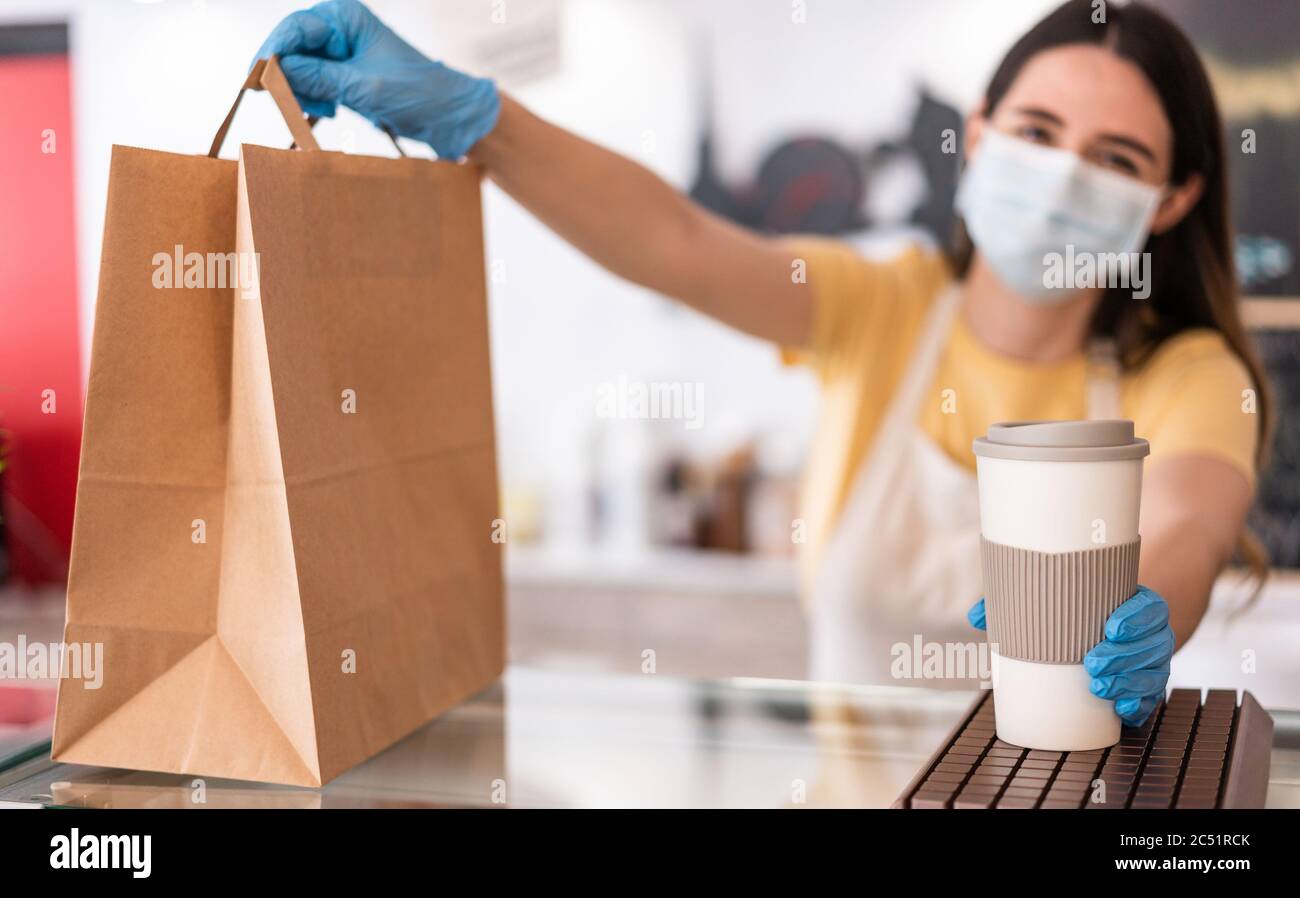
x=1101 y=137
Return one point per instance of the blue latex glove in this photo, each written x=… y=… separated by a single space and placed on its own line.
x=339 y=52
x=1131 y=665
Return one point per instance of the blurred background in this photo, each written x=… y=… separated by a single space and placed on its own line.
x=627 y=532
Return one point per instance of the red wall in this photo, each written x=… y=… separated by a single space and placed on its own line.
x=39 y=346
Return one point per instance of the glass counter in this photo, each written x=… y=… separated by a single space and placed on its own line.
x=543 y=738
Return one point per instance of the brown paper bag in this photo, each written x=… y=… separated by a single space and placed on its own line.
x=283 y=535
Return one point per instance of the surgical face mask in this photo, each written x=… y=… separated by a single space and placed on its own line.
x=1023 y=202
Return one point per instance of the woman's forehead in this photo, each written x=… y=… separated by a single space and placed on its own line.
x=1093 y=92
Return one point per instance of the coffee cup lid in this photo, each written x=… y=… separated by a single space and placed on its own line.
x=1062 y=441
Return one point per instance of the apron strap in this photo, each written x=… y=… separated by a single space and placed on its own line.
x=899 y=421
x=919 y=375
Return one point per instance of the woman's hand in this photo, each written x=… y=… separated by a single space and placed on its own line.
x=1131 y=665
x=339 y=52
x=612 y=209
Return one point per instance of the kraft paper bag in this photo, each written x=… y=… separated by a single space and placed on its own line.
x=283 y=533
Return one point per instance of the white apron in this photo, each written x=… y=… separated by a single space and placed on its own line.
x=902 y=566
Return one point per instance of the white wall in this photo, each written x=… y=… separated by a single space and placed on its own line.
x=163 y=74
x=850 y=71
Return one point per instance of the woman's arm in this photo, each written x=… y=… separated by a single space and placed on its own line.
x=1193 y=509
x=627 y=219
x=617 y=212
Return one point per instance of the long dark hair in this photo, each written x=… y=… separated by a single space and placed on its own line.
x=1192 y=272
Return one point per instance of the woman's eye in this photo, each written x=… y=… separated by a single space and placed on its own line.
x=1117 y=161
x=1035 y=133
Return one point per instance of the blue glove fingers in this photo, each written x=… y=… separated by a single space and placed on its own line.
x=306 y=32
x=353 y=20
x=317 y=79
x=302 y=32
x=1143 y=614
x=1131 y=684
x=1108 y=657
x=1135 y=711
x=317 y=108
x=339 y=53
x=976 y=615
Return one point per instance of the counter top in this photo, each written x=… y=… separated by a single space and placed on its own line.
x=544 y=738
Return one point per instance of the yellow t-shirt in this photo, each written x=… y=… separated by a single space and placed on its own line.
x=1187 y=397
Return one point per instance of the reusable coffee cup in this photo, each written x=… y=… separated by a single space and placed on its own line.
x=1059 y=549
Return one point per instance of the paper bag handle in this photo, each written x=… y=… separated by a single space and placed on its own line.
x=266 y=75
